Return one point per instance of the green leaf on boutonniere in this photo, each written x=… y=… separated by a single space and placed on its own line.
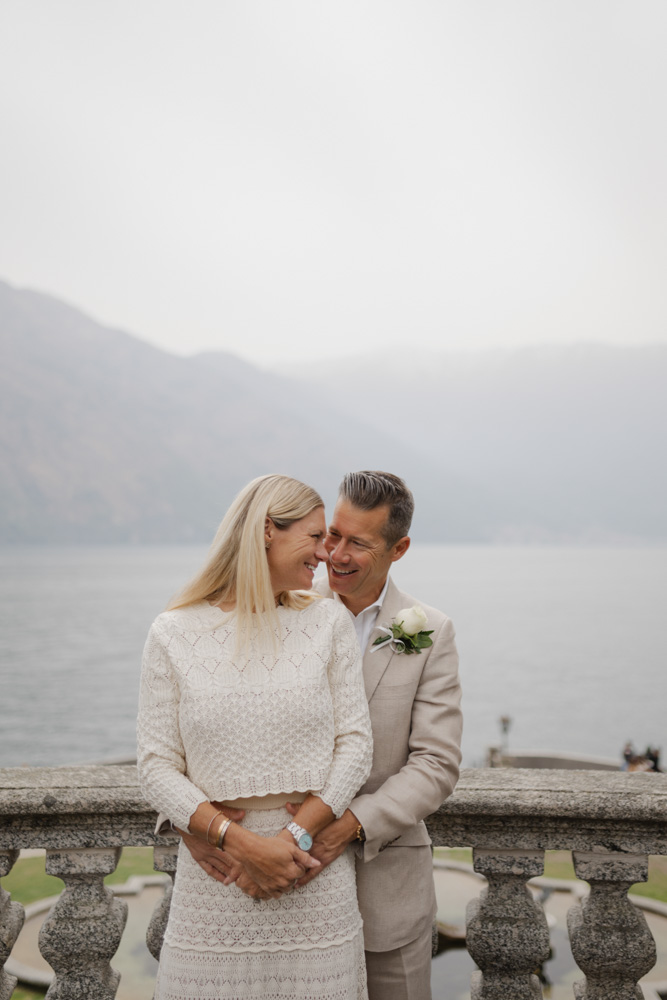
x=397 y=637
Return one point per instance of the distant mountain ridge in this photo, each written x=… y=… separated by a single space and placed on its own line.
x=105 y=438
x=573 y=439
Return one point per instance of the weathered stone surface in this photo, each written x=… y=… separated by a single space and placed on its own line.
x=503 y=813
x=555 y=810
x=164 y=860
x=608 y=866
x=610 y=939
x=7 y=861
x=54 y=807
x=507 y=933
x=527 y=864
x=503 y=987
x=83 y=931
x=89 y=789
x=12 y=916
x=584 y=810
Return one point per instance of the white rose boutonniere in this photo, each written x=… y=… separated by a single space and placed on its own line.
x=405 y=632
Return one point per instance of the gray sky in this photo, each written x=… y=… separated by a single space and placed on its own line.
x=315 y=179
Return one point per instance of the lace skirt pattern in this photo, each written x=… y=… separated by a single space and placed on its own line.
x=222 y=945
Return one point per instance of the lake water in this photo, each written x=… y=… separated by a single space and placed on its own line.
x=569 y=642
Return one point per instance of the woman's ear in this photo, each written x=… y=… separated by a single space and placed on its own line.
x=268 y=533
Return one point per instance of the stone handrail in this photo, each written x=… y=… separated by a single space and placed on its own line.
x=611 y=821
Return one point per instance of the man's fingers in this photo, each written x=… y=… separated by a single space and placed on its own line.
x=308 y=877
x=234 y=872
x=214 y=872
x=236 y=815
x=292 y=808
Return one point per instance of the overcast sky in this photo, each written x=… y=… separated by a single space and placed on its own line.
x=299 y=177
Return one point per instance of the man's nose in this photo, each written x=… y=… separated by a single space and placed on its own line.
x=339 y=552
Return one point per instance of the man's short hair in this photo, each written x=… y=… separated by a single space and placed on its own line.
x=368 y=490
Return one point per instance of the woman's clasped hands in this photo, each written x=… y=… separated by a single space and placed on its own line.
x=262 y=867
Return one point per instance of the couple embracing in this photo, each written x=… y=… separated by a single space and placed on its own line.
x=297 y=756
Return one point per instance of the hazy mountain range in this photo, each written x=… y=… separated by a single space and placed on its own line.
x=105 y=438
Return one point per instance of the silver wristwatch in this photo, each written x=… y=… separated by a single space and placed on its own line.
x=302 y=837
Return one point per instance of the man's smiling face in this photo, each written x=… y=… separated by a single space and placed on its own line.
x=359 y=559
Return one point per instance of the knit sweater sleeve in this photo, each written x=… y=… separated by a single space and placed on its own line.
x=160 y=753
x=353 y=743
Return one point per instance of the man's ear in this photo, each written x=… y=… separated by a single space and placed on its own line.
x=400 y=548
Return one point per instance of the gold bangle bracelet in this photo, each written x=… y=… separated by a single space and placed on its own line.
x=208 y=828
x=221 y=833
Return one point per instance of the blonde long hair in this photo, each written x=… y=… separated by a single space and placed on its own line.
x=237 y=568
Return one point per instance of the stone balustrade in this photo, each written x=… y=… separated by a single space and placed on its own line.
x=610 y=821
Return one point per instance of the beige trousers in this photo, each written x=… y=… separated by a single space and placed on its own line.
x=401 y=974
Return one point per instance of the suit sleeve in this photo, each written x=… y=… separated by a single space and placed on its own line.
x=432 y=767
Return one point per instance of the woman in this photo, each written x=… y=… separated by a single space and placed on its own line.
x=252 y=697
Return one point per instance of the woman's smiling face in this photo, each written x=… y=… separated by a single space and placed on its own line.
x=293 y=553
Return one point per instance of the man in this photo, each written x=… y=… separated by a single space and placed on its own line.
x=416 y=719
x=414 y=705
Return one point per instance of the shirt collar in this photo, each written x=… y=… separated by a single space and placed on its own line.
x=376 y=604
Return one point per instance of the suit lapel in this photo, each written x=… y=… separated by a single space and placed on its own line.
x=376 y=660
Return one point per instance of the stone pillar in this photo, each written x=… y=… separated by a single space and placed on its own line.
x=610 y=938
x=84 y=928
x=12 y=916
x=164 y=860
x=507 y=933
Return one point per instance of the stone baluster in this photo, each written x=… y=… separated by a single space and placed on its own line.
x=610 y=939
x=83 y=930
x=164 y=860
x=12 y=916
x=507 y=933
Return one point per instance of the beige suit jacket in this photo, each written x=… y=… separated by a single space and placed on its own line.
x=414 y=703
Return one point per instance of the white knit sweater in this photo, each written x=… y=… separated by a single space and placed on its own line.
x=216 y=724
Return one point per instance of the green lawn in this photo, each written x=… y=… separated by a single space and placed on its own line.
x=28 y=882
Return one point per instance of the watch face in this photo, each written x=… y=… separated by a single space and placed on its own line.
x=305 y=841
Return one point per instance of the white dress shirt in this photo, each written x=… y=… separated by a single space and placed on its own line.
x=365 y=621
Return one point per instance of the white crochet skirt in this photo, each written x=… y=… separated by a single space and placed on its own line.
x=222 y=945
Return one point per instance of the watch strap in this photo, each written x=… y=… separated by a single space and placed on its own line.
x=296 y=830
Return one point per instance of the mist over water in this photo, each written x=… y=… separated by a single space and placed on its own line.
x=569 y=642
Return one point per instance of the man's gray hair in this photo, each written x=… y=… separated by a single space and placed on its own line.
x=368 y=490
